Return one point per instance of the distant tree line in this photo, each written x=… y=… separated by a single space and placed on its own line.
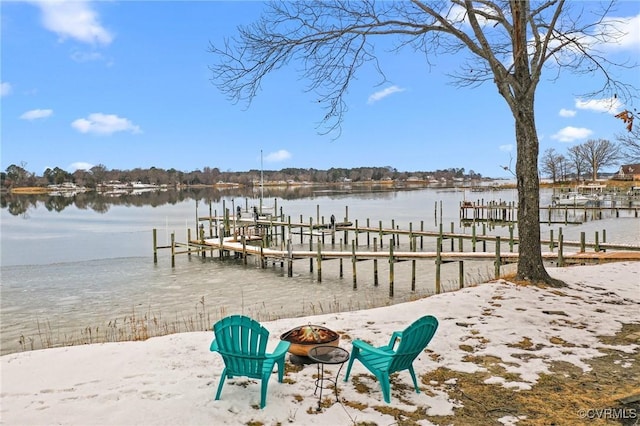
x=584 y=161
x=18 y=176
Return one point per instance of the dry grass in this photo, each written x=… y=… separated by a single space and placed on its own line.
x=29 y=190
x=556 y=399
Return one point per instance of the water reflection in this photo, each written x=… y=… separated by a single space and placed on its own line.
x=20 y=204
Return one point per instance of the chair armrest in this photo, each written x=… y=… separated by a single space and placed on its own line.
x=364 y=346
x=214 y=346
x=397 y=335
x=280 y=350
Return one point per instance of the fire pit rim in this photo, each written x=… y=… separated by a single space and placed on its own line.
x=302 y=348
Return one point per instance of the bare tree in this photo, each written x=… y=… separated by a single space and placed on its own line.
x=507 y=43
x=563 y=165
x=598 y=154
x=577 y=163
x=551 y=164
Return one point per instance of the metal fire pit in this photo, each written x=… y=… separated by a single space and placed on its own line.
x=306 y=337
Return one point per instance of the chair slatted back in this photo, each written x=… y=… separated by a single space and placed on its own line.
x=242 y=343
x=415 y=338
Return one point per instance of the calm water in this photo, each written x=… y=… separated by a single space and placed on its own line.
x=71 y=270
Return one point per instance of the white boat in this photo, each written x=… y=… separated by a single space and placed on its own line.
x=574 y=199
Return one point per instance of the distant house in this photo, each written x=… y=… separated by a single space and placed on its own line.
x=629 y=172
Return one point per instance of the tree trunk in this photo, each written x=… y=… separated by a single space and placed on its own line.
x=521 y=100
x=530 y=265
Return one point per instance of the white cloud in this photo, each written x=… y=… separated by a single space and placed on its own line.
x=79 y=165
x=5 y=88
x=567 y=113
x=79 y=56
x=628 y=36
x=74 y=19
x=570 y=134
x=104 y=124
x=36 y=114
x=506 y=148
x=278 y=156
x=384 y=93
x=609 y=105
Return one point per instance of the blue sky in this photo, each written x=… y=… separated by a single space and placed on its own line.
x=127 y=84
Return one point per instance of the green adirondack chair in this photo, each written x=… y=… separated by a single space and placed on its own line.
x=384 y=360
x=242 y=342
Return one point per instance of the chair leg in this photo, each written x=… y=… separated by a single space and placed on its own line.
x=280 y=369
x=383 y=378
x=263 y=391
x=413 y=377
x=354 y=355
x=223 y=377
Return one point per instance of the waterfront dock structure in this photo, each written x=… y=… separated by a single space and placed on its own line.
x=506 y=212
x=270 y=239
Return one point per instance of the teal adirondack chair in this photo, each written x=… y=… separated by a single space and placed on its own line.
x=385 y=360
x=242 y=342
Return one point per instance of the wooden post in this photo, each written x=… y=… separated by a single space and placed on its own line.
x=582 y=242
x=341 y=266
x=357 y=233
x=596 y=246
x=511 y=238
x=381 y=234
x=413 y=242
x=319 y=261
x=473 y=238
x=243 y=238
x=301 y=230
x=210 y=219
x=263 y=263
x=155 y=245
x=393 y=235
x=289 y=257
x=421 y=236
x=560 y=250
x=189 y=242
x=391 y=264
x=451 y=238
x=461 y=264
x=353 y=264
x=311 y=243
x=368 y=234
x=438 y=263
x=173 y=249
x=551 y=244
x=375 y=263
x=484 y=242
x=497 y=261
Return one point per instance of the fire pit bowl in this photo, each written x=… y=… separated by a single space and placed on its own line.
x=306 y=337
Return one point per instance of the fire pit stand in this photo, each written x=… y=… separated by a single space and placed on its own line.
x=322 y=355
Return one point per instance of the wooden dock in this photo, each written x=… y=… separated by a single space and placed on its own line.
x=245 y=244
x=506 y=212
x=270 y=239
